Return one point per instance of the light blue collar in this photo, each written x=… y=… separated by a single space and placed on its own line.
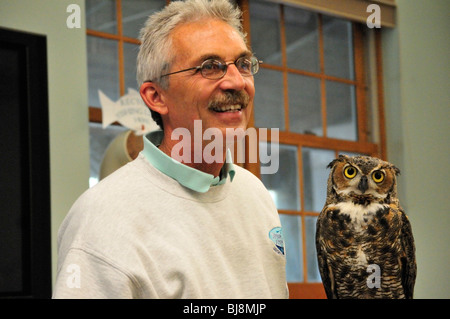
x=187 y=176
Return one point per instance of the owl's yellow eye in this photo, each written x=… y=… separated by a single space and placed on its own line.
x=378 y=176
x=350 y=172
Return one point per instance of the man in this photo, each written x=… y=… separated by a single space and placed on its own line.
x=162 y=228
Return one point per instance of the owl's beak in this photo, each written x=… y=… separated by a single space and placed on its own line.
x=363 y=185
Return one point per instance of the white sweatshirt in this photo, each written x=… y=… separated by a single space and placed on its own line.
x=140 y=234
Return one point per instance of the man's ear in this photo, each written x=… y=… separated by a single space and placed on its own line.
x=151 y=94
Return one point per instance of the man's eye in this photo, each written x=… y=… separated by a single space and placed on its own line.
x=245 y=65
x=212 y=65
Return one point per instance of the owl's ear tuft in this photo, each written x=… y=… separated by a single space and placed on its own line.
x=341 y=158
x=332 y=163
x=396 y=170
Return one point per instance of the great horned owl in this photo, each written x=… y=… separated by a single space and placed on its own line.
x=365 y=246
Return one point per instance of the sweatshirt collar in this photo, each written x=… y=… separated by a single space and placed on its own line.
x=187 y=176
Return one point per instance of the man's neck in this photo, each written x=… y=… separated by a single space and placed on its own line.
x=212 y=168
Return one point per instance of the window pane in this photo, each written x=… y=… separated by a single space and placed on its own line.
x=103 y=69
x=292 y=225
x=341 y=111
x=315 y=176
x=265 y=31
x=338 y=47
x=302 y=39
x=269 y=100
x=311 y=253
x=99 y=141
x=283 y=185
x=101 y=15
x=136 y=12
x=130 y=52
x=305 y=115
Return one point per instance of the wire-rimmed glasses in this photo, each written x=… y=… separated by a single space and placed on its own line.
x=215 y=69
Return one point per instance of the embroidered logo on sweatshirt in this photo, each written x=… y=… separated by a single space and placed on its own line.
x=276 y=236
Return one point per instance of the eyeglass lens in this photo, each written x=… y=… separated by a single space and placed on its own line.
x=214 y=69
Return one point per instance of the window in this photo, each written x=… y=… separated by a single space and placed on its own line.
x=112 y=44
x=312 y=86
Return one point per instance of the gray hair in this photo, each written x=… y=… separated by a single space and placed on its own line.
x=155 y=53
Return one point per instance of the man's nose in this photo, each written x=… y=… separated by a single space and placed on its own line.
x=233 y=79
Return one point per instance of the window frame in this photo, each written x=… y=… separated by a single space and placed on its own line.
x=95 y=113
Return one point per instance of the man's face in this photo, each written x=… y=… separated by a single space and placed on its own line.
x=189 y=95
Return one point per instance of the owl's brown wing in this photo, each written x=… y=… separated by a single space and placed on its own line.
x=325 y=271
x=408 y=260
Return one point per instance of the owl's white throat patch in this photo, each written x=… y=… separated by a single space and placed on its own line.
x=359 y=215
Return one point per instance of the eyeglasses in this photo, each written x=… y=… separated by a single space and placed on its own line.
x=215 y=69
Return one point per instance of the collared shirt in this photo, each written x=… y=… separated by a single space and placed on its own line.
x=187 y=176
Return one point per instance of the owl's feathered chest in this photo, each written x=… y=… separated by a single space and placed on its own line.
x=354 y=236
x=347 y=226
x=373 y=220
x=360 y=215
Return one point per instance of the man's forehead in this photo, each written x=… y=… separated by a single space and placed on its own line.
x=208 y=39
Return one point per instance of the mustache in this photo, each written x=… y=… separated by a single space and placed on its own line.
x=230 y=98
